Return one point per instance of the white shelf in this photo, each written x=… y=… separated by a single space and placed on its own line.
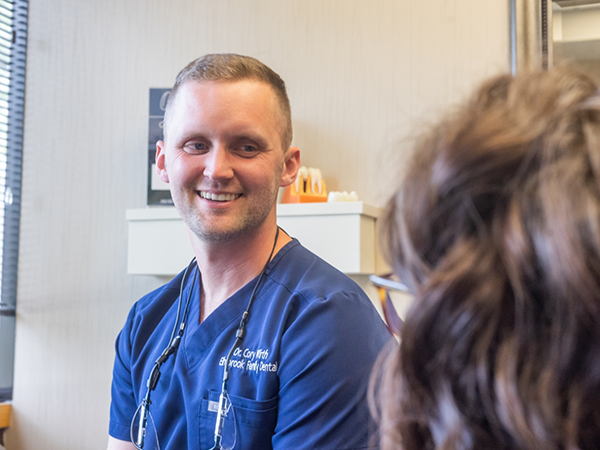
x=343 y=234
x=158 y=242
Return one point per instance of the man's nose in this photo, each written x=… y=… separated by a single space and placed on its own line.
x=218 y=164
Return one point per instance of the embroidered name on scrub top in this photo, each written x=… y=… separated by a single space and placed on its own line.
x=251 y=360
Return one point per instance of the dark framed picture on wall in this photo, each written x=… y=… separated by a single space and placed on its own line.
x=158 y=192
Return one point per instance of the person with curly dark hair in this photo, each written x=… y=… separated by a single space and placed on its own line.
x=496 y=231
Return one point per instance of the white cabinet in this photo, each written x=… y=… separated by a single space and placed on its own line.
x=158 y=242
x=343 y=234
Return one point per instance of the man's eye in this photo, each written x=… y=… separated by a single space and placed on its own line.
x=195 y=147
x=248 y=148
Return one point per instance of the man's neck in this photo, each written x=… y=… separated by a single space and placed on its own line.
x=228 y=266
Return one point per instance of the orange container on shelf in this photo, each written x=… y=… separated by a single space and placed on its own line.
x=308 y=188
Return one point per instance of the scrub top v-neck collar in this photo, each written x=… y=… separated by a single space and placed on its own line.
x=198 y=337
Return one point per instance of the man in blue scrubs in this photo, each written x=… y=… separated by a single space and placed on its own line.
x=298 y=379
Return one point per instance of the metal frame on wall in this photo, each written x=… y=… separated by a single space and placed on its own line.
x=531 y=34
x=158 y=192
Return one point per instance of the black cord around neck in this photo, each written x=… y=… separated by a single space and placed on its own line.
x=172 y=346
x=239 y=334
x=174 y=342
x=239 y=338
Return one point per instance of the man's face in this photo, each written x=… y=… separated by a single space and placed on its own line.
x=223 y=157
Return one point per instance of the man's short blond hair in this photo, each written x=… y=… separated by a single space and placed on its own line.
x=232 y=67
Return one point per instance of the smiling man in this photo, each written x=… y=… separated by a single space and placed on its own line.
x=258 y=344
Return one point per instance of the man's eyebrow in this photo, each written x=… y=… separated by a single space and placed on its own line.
x=183 y=138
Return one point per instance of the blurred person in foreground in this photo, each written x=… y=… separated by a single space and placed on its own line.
x=496 y=231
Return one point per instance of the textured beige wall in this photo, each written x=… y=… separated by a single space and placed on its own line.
x=362 y=75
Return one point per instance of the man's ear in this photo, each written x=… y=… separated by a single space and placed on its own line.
x=161 y=162
x=291 y=164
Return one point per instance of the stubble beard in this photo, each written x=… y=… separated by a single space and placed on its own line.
x=254 y=215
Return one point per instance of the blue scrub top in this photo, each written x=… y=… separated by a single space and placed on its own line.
x=299 y=380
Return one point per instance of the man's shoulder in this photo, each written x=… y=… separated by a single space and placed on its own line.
x=303 y=272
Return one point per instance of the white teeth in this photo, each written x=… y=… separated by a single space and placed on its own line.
x=302 y=175
x=315 y=180
x=335 y=196
x=219 y=197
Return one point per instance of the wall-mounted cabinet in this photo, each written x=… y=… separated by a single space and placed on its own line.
x=343 y=234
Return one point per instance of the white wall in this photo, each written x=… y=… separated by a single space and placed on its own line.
x=361 y=75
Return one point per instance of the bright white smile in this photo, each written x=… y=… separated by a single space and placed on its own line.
x=219 y=197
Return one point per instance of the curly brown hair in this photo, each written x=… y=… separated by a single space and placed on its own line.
x=496 y=228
